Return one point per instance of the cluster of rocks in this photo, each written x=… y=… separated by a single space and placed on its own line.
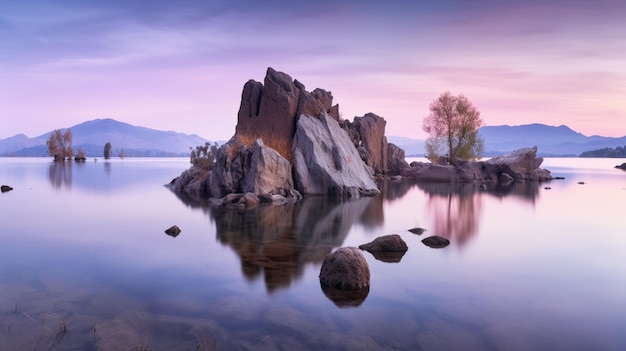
x=289 y=142
x=519 y=165
x=345 y=274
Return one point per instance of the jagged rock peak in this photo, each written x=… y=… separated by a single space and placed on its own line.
x=269 y=111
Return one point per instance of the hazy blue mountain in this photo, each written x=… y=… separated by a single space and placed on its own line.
x=91 y=136
x=411 y=147
x=550 y=140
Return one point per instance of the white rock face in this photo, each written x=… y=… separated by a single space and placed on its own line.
x=325 y=161
x=267 y=173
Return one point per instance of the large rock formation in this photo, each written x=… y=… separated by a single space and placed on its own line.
x=284 y=130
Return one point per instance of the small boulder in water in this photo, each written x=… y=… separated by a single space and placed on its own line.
x=173 y=231
x=386 y=248
x=418 y=231
x=5 y=188
x=436 y=242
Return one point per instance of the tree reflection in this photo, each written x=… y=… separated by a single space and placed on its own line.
x=277 y=242
x=456 y=207
x=60 y=174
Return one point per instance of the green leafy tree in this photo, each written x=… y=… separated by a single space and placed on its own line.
x=60 y=145
x=452 y=126
x=107 y=151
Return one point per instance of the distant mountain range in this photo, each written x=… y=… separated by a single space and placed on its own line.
x=91 y=136
x=550 y=140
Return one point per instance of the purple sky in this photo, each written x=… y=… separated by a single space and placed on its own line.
x=181 y=65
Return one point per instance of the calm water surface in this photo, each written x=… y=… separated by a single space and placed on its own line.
x=85 y=264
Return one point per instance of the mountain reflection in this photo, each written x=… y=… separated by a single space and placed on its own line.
x=277 y=242
x=456 y=207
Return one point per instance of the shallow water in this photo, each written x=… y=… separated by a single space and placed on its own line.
x=85 y=264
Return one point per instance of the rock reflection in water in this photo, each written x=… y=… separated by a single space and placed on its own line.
x=456 y=207
x=278 y=241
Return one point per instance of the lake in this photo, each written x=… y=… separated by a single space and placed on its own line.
x=85 y=264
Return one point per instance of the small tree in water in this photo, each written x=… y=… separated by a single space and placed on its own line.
x=107 y=151
x=80 y=155
x=452 y=126
x=60 y=145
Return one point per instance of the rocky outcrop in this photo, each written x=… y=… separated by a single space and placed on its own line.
x=386 y=248
x=622 y=166
x=519 y=165
x=368 y=136
x=289 y=141
x=270 y=111
x=326 y=162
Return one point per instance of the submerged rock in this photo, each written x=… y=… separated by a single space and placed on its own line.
x=436 y=242
x=173 y=231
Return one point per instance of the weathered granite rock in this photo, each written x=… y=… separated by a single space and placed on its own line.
x=396 y=161
x=228 y=172
x=371 y=129
x=368 y=136
x=326 y=162
x=519 y=165
x=522 y=164
x=436 y=242
x=266 y=171
x=192 y=182
x=387 y=248
x=280 y=122
x=345 y=269
x=269 y=111
x=173 y=231
x=5 y=188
